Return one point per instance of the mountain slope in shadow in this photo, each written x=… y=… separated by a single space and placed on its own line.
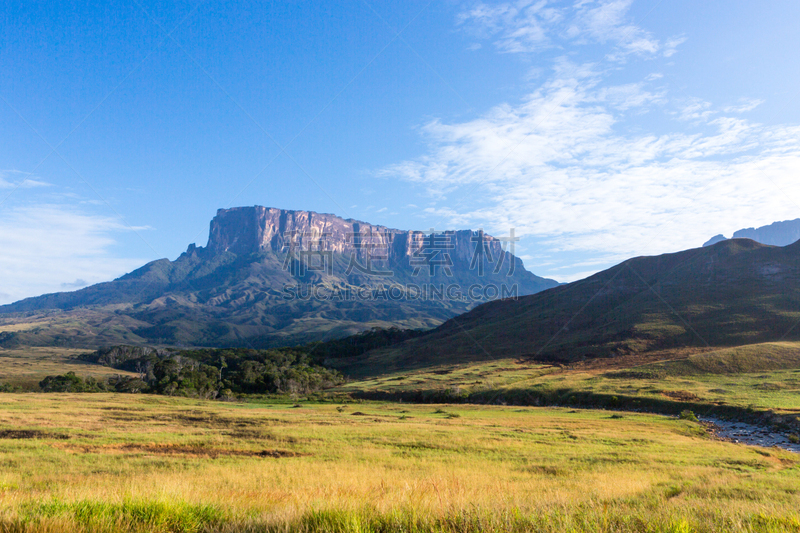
x=732 y=293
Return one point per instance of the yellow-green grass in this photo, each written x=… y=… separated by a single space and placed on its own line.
x=26 y=367
x=22 y=326
x=102 y=462
x=761 y=377
x=469 y=376
x=42 y=321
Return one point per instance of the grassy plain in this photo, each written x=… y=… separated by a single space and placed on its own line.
x=102 y=462
x=760 y=377
x=105 y=462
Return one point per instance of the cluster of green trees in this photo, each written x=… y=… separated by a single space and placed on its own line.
x=223 y=372
x=204 y=373
x=214 y=372
x=70 y=382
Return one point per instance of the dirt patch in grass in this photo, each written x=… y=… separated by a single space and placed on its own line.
x=208 y=421
x=254 y=434
x=681 y=395
x=127 y=418
x=30 y=434
x=216 y=421
x=178 y=450
x=250 y=434
x=545 y=470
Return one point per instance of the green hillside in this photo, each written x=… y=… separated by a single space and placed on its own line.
x=734 y=293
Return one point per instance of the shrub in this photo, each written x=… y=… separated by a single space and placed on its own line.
x=688 y=415
x=226 y=395
x=69 y=382
x=794 y=438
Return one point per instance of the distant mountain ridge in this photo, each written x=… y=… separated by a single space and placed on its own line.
x=272 y=276
x=781 y=233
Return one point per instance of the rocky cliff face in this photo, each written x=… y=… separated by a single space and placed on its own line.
x=245 y=230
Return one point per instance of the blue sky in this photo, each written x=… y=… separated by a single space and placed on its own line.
x=598 y=130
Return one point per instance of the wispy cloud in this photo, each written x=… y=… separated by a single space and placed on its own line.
x=12 y=179
x=56 y=248
x=559 y=166
x=672 y=44
x=609 y=21
x=744 y=105
x=631 y=95
x=524 y=26
x=573 y=168
x=530 y=26
x=695 y=109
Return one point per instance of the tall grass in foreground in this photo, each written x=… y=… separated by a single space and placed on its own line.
x=159 y=517
x=98 y=516
x=104 y=463
x=584 y=519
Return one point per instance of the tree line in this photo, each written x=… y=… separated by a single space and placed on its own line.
x=225 y=372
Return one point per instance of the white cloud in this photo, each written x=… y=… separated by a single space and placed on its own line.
x=608 y=22
x=671 y=46
x=624 y=97
x=744 y=105
x=517 y=27
x=560 y=167
x=13 y=179
x=696 y=109
x=56 y=248
x=529 y=26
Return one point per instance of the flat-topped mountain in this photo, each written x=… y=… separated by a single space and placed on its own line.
x=246 y=230
x=732 y=293
x=272 y=276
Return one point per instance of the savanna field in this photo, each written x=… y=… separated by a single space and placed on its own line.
x=106 y=462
